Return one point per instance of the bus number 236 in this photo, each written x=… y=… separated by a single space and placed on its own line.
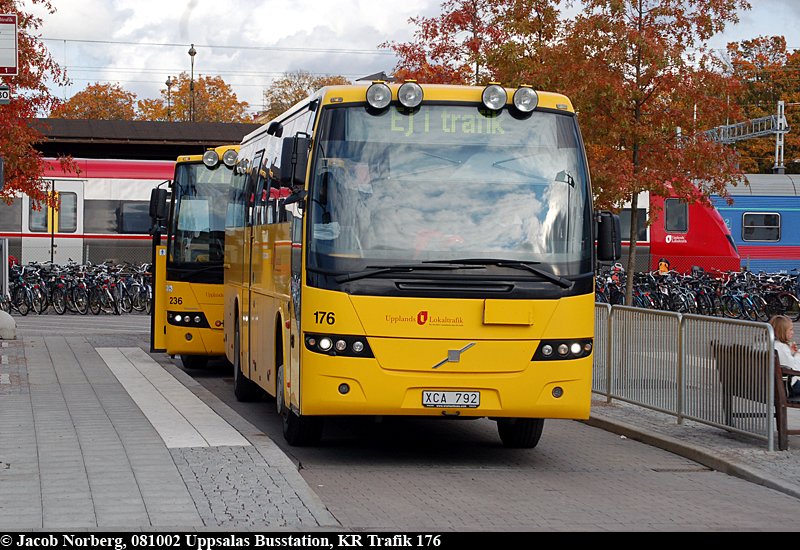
x=324 y=317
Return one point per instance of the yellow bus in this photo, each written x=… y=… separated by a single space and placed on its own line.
x=191 y=315
x=414 y=250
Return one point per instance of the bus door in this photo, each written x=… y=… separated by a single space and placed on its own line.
x=50 y=234
x=248 y=274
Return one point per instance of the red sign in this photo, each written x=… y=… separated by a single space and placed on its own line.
x=8 y=44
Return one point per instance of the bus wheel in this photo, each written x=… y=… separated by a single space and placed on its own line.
x=194 y=361
x=520 y=433
x=298 y=430
x=244 y=389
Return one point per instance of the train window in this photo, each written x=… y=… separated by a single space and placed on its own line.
x=761 y=226
x=676 y=216
x=37 y=219
x=135 y=217
x=68 y=213
x=641 y=224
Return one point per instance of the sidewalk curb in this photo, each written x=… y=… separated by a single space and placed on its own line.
x=267 y=448
x=702 y=456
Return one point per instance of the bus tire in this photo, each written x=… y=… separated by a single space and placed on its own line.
x=520 y=433
x=245 y=390
x=298 y=430
x=194 y=361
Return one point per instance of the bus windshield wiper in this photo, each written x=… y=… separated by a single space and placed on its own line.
x=373 y=270
x=516 y=264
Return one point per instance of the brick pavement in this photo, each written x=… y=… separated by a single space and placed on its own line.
x=76 y=451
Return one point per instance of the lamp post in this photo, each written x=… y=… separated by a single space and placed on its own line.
x=192 y=53
x=169 y=84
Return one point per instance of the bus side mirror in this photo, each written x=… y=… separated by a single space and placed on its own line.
x=158 y=204
x=609 y=237
x=294 y=161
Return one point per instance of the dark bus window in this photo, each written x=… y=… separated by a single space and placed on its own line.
x=625 y=223
x=676 y=216
x=761 y=226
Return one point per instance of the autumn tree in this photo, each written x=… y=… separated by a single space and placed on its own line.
x=30 y=98
x=769 y=73
x=641 y=70
x=293 y=87
x=452 y=48
x=214 y=101
x=99 y=102
x=527 y=55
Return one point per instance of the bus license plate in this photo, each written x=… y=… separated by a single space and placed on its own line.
x=462 y=399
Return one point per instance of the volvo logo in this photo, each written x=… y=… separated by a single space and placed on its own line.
x=453 y=356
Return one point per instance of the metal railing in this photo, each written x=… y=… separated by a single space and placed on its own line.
x=706 y=369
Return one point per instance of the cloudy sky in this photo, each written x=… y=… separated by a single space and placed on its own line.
x=139 y=43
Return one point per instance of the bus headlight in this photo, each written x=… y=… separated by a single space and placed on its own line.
x=325 y=343
x=494 y=96
x=229 y=157
x=410 y=94
x=379 y=95
x=525 y=99
x=210 y=158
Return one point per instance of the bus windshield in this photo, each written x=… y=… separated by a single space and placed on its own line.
x=197 y=225
x=448 y=182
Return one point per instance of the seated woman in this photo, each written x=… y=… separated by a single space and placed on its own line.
x=787 y=349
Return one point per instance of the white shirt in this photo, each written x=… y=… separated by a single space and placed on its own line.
x=786 y=357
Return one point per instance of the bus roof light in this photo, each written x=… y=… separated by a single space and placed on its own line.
x=210 y=158
x=379 y=95
x=525 y=99
x=229 y=157
x=410 y=94
x=494 y=96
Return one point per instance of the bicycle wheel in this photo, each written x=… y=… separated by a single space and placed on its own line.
x=791 y=306
x=138 y=297
x=38 y=300
x=749 y=310
x=110 y=305
x=59 y=300
x=762 y=311
x=22 y=300
x=81 y=300
x=125 y=302
x=704 y=305
x=731 y=307
x=95 y=301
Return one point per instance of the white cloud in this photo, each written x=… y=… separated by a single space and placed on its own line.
x=162 y=31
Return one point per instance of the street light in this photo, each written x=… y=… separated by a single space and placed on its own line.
x=192 y=53
x=169 y=84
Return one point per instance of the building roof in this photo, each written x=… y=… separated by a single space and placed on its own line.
x=135 y=139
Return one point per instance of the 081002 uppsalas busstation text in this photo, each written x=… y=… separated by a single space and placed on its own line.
x=211 y=542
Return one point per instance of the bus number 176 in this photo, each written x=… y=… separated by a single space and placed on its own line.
x=324 y=317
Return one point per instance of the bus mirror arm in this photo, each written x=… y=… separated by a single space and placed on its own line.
x=609 y=237
x=297 y=196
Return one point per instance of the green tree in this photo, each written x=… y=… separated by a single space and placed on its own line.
x=293 y=87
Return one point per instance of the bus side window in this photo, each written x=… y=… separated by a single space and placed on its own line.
x=676 y=216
